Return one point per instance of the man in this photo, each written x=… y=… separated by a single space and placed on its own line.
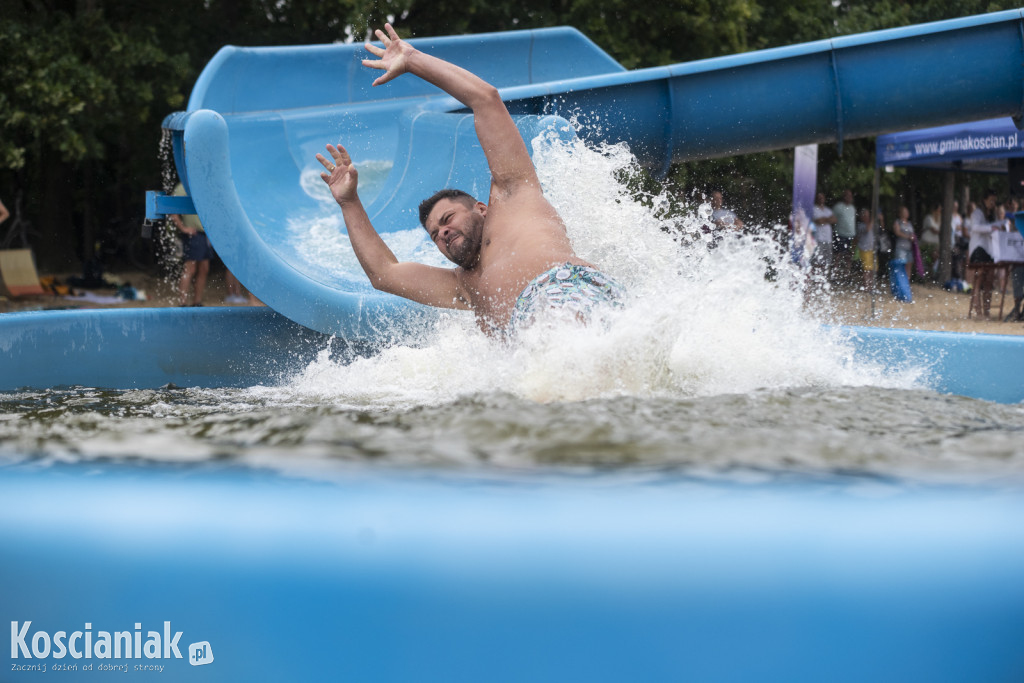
x=823 y=220
x=513 y=254
x=866 y=248
x=722 y=217
x=846 y=232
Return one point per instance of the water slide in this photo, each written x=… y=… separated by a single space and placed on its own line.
x=257 y=116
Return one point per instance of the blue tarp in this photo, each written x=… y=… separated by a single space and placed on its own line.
x=976 y=145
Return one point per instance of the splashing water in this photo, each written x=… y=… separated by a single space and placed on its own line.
x=698 y=322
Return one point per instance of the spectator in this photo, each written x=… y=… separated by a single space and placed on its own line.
x=723 y=218
x=197 y=252
x=823 y=219
x=1009 y=213
x=866 y=247
x=930 y=231
x=903 y=249
x=1017 y=272
x=844 y=237
x=984 y=220
x=883 y=243
x=1017 y=314
x=958 y=242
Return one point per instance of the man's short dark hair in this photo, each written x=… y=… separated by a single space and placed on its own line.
x=427 y=205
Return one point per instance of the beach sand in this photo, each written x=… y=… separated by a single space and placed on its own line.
x=933 y=308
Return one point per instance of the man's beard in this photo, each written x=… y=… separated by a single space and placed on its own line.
x=467 y=252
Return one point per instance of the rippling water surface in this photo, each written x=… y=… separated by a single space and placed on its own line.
x=862 y=432
x=710 y=370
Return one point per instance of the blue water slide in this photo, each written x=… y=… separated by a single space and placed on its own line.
x=257 y=117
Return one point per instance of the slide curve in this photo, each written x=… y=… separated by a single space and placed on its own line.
x=257 y=116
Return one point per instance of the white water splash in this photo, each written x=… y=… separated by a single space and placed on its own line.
x=698 y=322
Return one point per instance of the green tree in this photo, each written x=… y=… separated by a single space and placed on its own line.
x=74 y=93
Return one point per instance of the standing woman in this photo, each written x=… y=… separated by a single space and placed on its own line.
x=866 y=247
x=984 y=220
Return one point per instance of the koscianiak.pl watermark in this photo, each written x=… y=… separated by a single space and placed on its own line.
x=78 y=650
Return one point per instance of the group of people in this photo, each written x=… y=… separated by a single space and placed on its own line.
x=845 y=236
x=984 y=222
x=835 y=231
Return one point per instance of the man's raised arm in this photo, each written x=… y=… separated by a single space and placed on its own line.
x=419 y=282
x=507 y=157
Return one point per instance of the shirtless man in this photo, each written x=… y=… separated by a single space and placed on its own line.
x=513 y=254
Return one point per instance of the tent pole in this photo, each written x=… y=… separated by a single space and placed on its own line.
x=945 y=236
x=878 y=233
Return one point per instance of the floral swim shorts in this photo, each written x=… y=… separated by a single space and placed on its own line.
x=571 y=288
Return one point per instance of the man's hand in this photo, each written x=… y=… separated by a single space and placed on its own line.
x=393 y=59
x=341 y=175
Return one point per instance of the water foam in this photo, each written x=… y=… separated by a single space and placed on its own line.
x=698 y=321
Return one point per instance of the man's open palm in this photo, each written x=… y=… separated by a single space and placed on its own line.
x=392 y=58
x=341 y=175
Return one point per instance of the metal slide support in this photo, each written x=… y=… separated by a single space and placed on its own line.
x=160 y=205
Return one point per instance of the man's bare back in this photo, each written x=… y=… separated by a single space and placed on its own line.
x=499 y=247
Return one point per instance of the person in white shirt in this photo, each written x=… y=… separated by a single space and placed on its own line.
x=845 y=234
x=984 y=221
x=823 y=220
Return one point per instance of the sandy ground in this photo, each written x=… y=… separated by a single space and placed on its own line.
x=932 y=309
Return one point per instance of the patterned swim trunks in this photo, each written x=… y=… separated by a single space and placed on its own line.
x=571 y=288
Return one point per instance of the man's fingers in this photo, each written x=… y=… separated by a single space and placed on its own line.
x=373 y=49
x=328 y=165
x=391 y=31
x=384 y=38
x=340 y=154
x=375 y=64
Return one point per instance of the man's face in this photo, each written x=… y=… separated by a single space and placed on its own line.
x=820 y=199
x=848 y=197
x=716 y=200
x=990 y=202
x=457 y=230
